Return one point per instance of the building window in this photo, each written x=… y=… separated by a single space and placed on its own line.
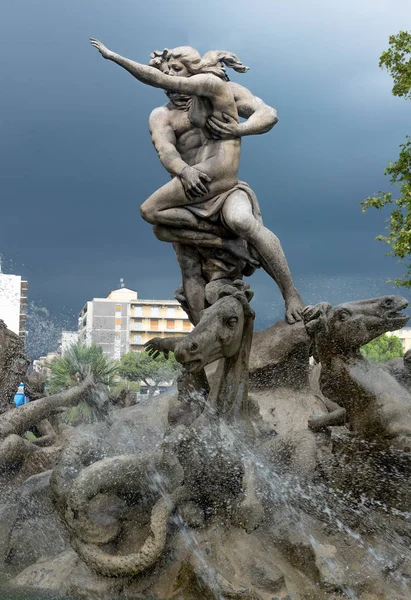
x=170 y=312
x=186 y=325
x=137 y=339
x=155 y=311
x=154 y=324
x=138 y=311
x=138 y=325
x=170 y=324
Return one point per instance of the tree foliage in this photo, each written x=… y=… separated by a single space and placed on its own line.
x=383 y=348
x=74 y=366
x=81 y=413
x=397 y=60
x=139 y=366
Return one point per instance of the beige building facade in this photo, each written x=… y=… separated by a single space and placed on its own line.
x=42 y=365
x=122 y=322
x=151 y=318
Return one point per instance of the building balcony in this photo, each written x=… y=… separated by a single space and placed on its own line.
x=159 y=330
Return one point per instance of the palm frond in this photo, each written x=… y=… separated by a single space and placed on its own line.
x=74 y=366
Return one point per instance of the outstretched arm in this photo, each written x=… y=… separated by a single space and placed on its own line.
x=197 y=85
x=261 y=118
x=337 y=415
x=156 y=346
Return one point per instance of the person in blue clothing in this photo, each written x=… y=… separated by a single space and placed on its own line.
x=20 y=398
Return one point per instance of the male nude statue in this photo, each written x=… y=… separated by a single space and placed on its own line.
x=197 y=135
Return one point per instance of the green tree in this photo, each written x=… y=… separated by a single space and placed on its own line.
x=68 y=370
x=397 y=60
x=383 y=348
x=139 y=366
x=78 y=361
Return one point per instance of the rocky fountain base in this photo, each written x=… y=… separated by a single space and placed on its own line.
x=221 y=492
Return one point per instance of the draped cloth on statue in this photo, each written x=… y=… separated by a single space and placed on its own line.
x=221 y=263
x=211 y=209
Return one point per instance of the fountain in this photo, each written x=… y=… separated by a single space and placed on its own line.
x=260 y=477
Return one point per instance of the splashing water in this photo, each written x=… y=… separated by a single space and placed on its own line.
x=44 y=330
x=298 y=497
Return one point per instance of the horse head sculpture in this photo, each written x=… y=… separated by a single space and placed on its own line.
x=377 y=406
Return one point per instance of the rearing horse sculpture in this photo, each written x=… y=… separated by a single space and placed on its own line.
x=224 y=332
x=377 y=406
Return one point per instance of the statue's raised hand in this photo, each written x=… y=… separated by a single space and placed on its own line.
x=105 y=52
x=155 y=347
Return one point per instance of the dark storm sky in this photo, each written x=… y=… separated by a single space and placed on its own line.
x=76 y=159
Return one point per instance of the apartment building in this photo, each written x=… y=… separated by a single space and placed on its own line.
x=13 y=303
x=156 y=318
x=123 y=322
x=42 y=365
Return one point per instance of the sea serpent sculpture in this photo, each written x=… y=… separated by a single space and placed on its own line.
x=193 y=464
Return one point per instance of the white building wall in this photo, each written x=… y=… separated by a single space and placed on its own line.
x=68 y=339
x=10 y=294
x=89 y=324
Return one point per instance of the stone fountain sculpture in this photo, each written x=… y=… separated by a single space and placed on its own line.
x=215 y=225
x=376 y=406
x=224 y=504
x=368 y=396
x=212 y=219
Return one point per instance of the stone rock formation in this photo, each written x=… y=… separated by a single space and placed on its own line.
x=217 y=506
x=280 y=357
x=13 y=366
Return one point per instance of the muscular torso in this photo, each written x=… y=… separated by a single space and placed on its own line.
x=217 y=158
x=182 y=137
x=195 y=145
x=190 y=139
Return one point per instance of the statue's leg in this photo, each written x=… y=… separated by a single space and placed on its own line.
x=189 y=237
x=193 y=280
x=167 y=207
x=238 y=215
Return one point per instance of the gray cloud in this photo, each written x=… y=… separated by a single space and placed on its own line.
x=76 y=160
